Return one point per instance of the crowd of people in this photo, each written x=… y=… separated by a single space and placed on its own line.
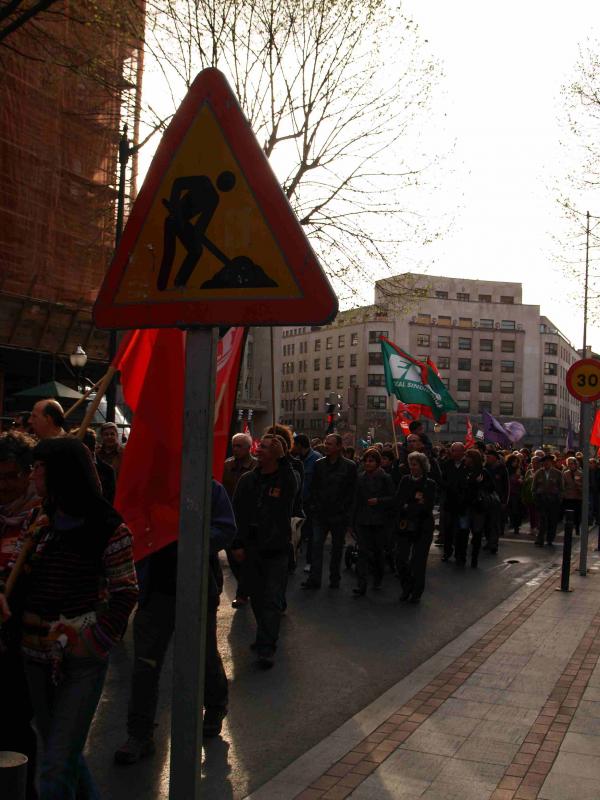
x=68 y=582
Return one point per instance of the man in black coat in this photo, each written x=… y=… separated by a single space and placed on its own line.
x=330 y=504
x=495 y=514
x=454 y=502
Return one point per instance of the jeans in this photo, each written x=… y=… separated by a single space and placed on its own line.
x=372 y=540
x=63 y=716
x=153 y=627
x=338 y=537
x=456 y=534
x=267 y=576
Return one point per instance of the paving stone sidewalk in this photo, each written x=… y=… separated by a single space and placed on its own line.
x=509 y=709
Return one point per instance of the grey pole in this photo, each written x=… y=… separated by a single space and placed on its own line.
x=585 y=491
x=192 y=564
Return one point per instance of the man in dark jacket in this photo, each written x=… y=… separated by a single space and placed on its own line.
x=455 y=510
x=330 y=504
x=309 y=457
x=153 y=627
x=494 y=518
x=264 y=504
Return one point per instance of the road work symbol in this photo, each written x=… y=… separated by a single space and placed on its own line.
x=192 y=204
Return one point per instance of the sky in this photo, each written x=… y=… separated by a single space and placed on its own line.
x=504 y=67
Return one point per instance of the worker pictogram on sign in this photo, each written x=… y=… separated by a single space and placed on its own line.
x=211 y=238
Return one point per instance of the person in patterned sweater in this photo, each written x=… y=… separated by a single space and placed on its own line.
x=78 y=587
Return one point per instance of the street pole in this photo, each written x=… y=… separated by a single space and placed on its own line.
x=192 y=564
x=124 y=153
x=585 y=422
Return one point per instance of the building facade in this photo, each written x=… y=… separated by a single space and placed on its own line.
x=493 y=352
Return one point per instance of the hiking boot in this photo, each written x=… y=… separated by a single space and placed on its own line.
x=133 y=749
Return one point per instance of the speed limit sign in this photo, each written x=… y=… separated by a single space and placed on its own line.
x=583 y=380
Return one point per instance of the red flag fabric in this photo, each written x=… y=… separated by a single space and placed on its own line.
x=152 y=364
x=469 y=438
x=433 y=366
x=595 y=436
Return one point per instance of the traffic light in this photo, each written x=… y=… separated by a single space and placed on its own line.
x=333 y=414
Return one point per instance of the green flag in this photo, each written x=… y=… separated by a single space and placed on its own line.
x=415 y=383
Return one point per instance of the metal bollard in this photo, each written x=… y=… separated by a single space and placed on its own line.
x=13 y=775
x=567 y=545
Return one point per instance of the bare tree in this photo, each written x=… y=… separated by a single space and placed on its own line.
x=333 y=90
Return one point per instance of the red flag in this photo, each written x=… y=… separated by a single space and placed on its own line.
x=433 y=366
x=469 y=438
x=152 y=364
x=595 y=436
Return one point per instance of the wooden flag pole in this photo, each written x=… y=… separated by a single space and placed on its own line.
x=397 y=455
x=93 y=406
x=83 y=397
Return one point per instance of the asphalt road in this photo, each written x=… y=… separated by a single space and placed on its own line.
x=336 y=655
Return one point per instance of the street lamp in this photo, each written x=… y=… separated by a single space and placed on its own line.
x=294 y=401
x=78 y=359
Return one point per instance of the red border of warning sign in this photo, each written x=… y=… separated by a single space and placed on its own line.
x=569 y=380
x=318 y=303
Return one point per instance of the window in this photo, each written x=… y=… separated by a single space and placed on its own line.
x=443 y=362
x=315 y=403
x=507 y=387
x=465 y=322
x=340 y=382
x=550 y=349
x=353 y=380
x=340 y=362
x=441 y=295
x=317 y=345
x=464 y=344
x=487 y=345
x=549 y=409
x=341 y=340
x=317 y=364
x=485 y=298
x=463 y=296
x=485 y=365
x=507 y=346
x=550 y=368
x=509 y=300
x=424 y=319
x=464 y=364
x=464 y=406
x=463 y=385
x=508 y=325
x=376 y=380
x=485 y=387
x=327 y=383
x=446 y=382
x=443 y=342
x=506 y=407
x=507 y=366
x=550 y=389
x=353 y=339
x=315 y=384
x=444 y=321
x=486 y=323
x=353 y=359
x=377 y=401
x=485 y=405
x=423 y=340
x=376 y=358
x=329 y=343
x=374 y=336
x=328 y=362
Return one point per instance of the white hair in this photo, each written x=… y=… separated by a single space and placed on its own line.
x=421 y=459
x=238 y=437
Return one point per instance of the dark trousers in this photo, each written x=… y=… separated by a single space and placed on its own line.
x=63 y=715
x=575 y=506
x=307 y=538
x=548 y=507
x=456 y=534
x=515 y=512
x=338 y=537
x=16 y=732
x=153 y=627
x=477 y=523
x=372 y=540
x=238 y=573
x=411 y=559
x=267 y=576
x=494 y=523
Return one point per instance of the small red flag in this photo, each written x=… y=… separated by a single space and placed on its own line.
x=469 y=438
x=152 y=364
x=595 y=436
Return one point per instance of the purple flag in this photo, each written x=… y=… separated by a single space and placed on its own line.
x=516 y=431
x=494 y=431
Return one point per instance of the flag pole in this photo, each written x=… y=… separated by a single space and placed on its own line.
x=93 y=406
x=393 y=426
x=83 y=398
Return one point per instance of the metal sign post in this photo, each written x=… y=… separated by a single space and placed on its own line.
x=585 y=491
x=192 y=564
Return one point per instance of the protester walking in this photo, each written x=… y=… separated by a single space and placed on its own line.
x=547 y=490
x=455 y=511
x=480 y=495
x=572 y=485
x=497 y=507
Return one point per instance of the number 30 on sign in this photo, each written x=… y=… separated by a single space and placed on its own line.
x=583 y=380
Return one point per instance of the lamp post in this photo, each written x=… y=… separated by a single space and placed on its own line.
x=78 y=359
x=294 y=401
